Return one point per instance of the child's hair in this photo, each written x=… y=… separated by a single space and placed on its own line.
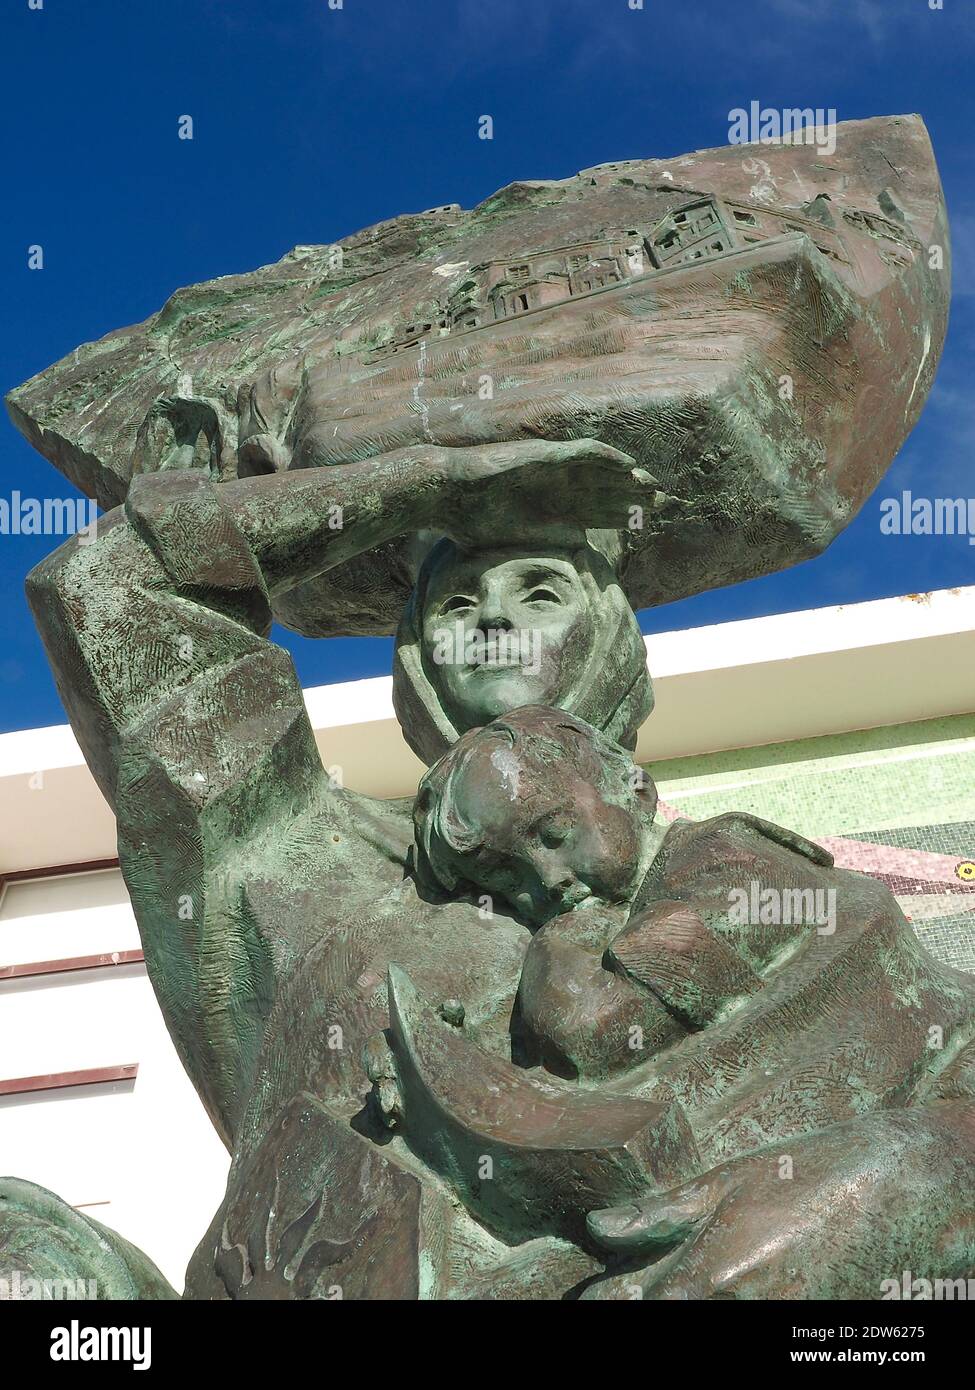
x=546 y=736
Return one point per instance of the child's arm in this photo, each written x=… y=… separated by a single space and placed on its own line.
x=592 y=1009
x=579 y=1017
x=693 y=971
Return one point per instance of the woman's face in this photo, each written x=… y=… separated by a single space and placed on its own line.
x=501 y=631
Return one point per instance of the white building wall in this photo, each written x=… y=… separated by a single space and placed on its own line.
x=140 y=1155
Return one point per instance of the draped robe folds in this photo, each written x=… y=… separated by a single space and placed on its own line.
x=271 y=903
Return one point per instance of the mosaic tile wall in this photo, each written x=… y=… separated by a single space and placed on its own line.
x=898 y=803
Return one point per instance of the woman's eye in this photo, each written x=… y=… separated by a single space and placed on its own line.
x=455 y=604
x=543 y=596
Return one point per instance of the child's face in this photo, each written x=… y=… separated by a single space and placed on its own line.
x=549 y=837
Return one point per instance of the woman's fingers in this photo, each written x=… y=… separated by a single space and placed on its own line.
x=661 y=1220
x=543 y=486
x=488 y=460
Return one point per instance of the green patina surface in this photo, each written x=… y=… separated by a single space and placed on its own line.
x=363 y=1028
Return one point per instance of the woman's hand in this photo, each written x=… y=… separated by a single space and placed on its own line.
x=831 y=1215
x=498 y=493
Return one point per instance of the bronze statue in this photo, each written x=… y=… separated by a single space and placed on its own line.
x=517 y=1040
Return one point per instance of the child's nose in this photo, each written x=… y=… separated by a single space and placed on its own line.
x=562 y=888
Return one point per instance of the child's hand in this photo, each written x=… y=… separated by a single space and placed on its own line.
x=580 y=1018
x=694 y=971
x=380 y=1066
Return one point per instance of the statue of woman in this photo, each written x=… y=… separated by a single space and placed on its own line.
x=809 y=1141
x=247 y=867
x=275 y=906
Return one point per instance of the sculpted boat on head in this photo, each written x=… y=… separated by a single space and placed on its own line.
x=757 y=325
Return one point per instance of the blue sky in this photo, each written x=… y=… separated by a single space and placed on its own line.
x=311 y=122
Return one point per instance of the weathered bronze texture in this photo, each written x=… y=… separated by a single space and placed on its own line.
x=515 y=1040
x=757 y=326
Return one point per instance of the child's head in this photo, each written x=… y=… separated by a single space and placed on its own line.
x=537 y=809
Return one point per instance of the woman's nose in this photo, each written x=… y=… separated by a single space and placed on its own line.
x=493 y=616
x=493 y=608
